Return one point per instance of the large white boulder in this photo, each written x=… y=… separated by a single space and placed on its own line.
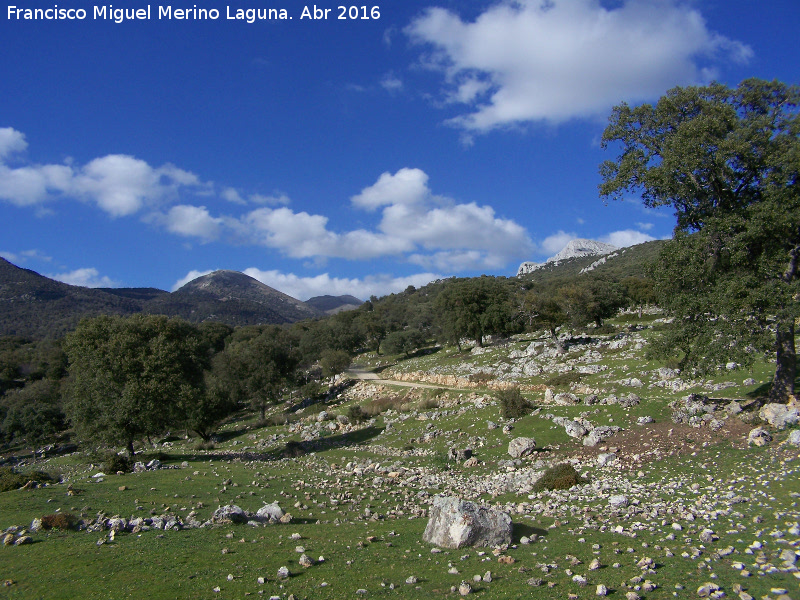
x=455 y=523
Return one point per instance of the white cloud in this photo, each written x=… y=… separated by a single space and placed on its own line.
x=626 y=237
x=190 y=276
x=11 y=142
x=304 y=288
x=86 y=277
x=192 y=221
x=120 y=185
x=528 y=60
x=553 y=244
x=414 y=224
x=645 y=226
x=391 y=83
x=407 y=186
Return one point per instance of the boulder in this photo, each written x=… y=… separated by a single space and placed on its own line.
x=271 y=513
x=600 y=434
x=229 y=514
x=455 y=523
x=779 y=415
x=521 y=446
x=759 y=437
x=566 y=399
x=575 y=429
x=794 y=437
x=459 y=455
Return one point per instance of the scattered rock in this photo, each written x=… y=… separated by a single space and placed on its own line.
x=779 y=415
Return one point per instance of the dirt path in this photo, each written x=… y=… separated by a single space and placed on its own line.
x=364 y=375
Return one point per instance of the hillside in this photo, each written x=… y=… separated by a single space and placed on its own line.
x=333 y=304
x=35 y=306
x=679 y=495
x=624 y=262
x=233 y=298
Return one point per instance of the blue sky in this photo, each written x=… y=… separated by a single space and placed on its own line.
x=343 y=156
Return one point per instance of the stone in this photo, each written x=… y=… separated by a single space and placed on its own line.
x=600 y=434
x=154 y=464
x=521 y=446
x=601 y=590
x=645 y=420
x=779 y=415
x=323 y=416
x=566 y=399
x=22 y=540
x=36 y=525
x=618 y=501
x=759 y=437
x=459 y=455
x=305 y=561
x=794 y=437
x=606 y=459
x=271 y=513
x=229 y=514
x=283 y=573
x=465 y=588
x=455 y=523
x=575 y=429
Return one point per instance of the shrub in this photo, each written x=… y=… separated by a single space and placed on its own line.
x=293 y=449
x=428 y=404
x=204 y=445
x=564 y=379
x=481 y=378
x=513 y=404
x=117 y=462
x=560 y=477
x=62 y=521
x=11 y=480
x=356 y=414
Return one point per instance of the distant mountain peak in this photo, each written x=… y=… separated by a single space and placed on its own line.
x=574 y=249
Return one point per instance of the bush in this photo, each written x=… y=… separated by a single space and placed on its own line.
x=293 y=449
x=560 y=477
x=513 y=404
x=564 y=379
x=428 y=404
x=481 y=378
x=62 y=521
x=356 y=414
x=11 y=480
x=204 y=445
x=117 y=462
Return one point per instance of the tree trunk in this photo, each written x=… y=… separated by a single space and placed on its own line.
x=786 y=364
x=130 y=449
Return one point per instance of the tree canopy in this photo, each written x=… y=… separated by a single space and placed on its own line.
x=728 y=161
x=130 y=376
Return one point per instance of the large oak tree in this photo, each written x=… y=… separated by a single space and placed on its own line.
x=728 y=162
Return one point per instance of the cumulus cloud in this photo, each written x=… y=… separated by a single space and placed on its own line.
x=11 y=142
x=626 y=237
x=26 y=255
x=414 y=224
x=528 y=60
x=304 y=288
x=119 y=184
x=86 y=277
x=192 y=221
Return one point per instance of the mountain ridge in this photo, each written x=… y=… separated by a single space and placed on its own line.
x=576 y=248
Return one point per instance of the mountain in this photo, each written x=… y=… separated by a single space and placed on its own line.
x=34 y=306
x=625 y=262
x=233 y=298
x=333 y=304
x=574 y=249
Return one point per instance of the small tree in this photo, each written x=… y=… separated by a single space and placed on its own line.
x=474 y=308
x=257 y=370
